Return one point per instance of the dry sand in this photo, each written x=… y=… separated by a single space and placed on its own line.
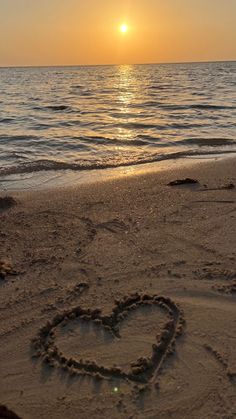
x=117 y=299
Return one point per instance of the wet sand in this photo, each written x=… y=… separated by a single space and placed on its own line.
x=118 y=297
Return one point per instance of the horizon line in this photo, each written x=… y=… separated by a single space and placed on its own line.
x=117 y=64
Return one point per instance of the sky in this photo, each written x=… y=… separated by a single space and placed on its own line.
x=84 y=32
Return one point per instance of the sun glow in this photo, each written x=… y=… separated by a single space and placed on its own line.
x=124 y=28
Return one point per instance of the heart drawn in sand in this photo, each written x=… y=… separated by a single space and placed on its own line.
x=144 y=370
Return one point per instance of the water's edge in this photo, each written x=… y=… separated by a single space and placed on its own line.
x=65 y=178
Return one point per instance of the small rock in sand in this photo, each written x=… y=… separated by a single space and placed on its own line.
x=7 y=202
x=5 y=413
x=185 y=181
x=6 y=269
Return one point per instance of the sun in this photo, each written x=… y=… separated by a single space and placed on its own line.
x=124 y=28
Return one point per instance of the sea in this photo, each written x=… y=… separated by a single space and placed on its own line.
x=57 y=119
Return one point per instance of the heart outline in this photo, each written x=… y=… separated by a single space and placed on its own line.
x=144 y=370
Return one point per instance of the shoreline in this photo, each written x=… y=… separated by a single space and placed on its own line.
x=49 y=180
x=163 y=257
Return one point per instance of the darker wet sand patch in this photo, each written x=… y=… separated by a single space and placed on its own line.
x=5 y=413
x=6 y=203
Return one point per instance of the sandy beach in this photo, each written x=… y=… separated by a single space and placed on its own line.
x=117 y=298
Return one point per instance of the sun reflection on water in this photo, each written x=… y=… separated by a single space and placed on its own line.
x=126 y=88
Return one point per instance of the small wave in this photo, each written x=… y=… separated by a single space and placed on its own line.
x=51 y=165
x=54 y=108
x=147 y=104
x=106 y=141
x=88 y=93
x=137 y=125
x=6 y=120
x=181 y=107
x=14 y=155
x=81 y=91
x=7 y=138
x=210 y=107
x=127 y=115
x=208 y=142
x=200 y=106
x=57 y=108
x=36 y=99
x=185 y=125
x=158 y=87
x=167 y=126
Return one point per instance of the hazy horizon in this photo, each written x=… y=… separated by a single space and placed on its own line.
x=79 y=33
x=117 y=64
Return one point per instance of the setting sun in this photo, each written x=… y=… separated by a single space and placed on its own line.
x=124 y=28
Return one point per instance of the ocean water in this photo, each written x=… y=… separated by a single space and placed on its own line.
x=84 y=118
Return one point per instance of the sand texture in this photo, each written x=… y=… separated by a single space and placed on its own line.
x=118 y=299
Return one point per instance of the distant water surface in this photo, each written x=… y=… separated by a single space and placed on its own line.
x=107 y=116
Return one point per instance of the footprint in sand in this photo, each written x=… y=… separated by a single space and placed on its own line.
x=114 y=226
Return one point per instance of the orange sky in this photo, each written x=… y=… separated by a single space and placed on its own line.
x=71 y=32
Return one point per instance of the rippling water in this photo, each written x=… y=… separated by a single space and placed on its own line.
x=95 y=117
